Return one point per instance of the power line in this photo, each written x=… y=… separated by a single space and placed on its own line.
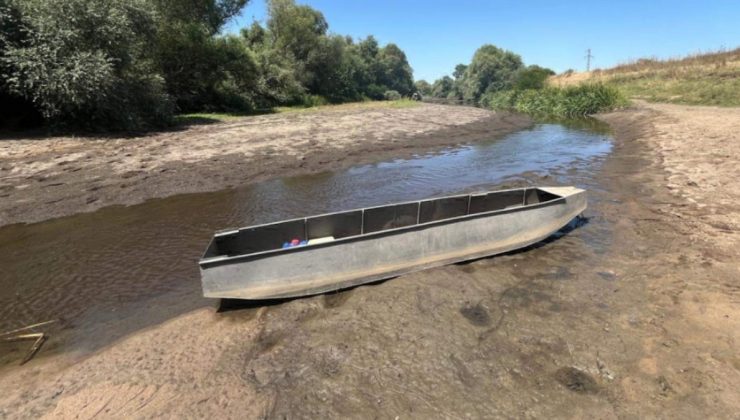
x=588 y=59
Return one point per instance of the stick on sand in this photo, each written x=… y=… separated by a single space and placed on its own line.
x=28 y=327
x=39 y=337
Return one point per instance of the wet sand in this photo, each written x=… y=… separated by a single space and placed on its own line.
x=46 y=177
x=96 y=270
x=632 y=314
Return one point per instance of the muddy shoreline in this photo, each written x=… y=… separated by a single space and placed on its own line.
x=53 y=177
x=632 y=314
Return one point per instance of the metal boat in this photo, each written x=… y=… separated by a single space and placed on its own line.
x=317 y=254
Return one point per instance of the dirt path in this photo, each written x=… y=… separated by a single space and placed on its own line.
x=51 y=177
x=634 y=314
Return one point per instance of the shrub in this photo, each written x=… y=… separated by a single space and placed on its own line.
x=504 y=99
x=532 y=77
x=569 y=102
x=443 y=87
x=314 y=100
x=391 y=95
x=423 y=88
x=129 y=64
x=590 y=99
x=81 y=62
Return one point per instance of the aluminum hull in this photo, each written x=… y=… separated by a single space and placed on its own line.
x=379 y=255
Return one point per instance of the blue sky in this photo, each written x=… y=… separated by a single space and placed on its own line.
x=437 y=35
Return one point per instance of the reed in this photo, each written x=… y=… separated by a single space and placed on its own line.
x=568 y=102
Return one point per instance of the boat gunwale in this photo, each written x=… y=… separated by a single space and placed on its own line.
x=225 y=259
x=230 y=231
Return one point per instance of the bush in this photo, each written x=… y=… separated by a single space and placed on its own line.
x=129 y=64
x=88 y=70
x=391 y=95
x=532 y=77
x=569 y=102
x=491 y=69
x=504 y=99
x=423 y=88
x=138 y=103
x=310 y=101
x=590 y=99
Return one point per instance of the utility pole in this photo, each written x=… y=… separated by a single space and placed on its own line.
x=588 y=59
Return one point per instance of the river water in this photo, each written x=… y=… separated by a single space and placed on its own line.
x=140 y=262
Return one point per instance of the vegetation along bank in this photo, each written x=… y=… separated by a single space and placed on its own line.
x=698 y=79
x=133 y=64
x=498 y=79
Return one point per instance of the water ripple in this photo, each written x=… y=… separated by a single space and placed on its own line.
x=120 y=256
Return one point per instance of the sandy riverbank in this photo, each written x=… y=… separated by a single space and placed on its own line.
x=634 y=314
x=47 y=177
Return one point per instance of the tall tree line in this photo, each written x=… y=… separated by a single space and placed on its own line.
x=133 y=64
x=490 y=71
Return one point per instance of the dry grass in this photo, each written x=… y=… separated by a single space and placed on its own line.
x=716 y=59
x=399 y=103
x=212 y=117
x=698 y=79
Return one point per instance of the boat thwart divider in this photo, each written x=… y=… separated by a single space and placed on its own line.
x=343 y=249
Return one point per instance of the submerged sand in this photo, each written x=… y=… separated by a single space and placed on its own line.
x=47 y=177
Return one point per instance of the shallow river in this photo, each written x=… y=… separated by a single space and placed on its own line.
x=119 y=262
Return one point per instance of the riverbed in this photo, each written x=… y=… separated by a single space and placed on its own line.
x=628 y=314
x=43 y=176
x=83 y=268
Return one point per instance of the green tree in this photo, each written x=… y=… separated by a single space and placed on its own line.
x=459 y=72
x=201 y=68
x=332 y=70
x=333 y=66
x=86 y=62
x=212 y=15
x=255 y=36
x=277 y=83
x=370 y=71
x=457 y=87
x=492 y=69
x=276 y=80
x=130 y=63
x=423 y=87
x=298 y=31
x=397 y=74
x=532 y=77
x=442 y=87
x=295 y=28
x=368 y=48
x=15 y=110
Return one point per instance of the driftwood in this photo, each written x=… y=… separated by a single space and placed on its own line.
x=28 y=327
x=39 y=338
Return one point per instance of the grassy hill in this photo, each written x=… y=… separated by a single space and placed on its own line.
x=698 y=79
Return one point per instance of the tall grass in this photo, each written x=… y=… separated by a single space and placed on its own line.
x=698 y=79
x=708 y=59
x=717 y=91
x=568 y=102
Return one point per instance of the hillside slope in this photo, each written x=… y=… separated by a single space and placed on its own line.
x=700 y=79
